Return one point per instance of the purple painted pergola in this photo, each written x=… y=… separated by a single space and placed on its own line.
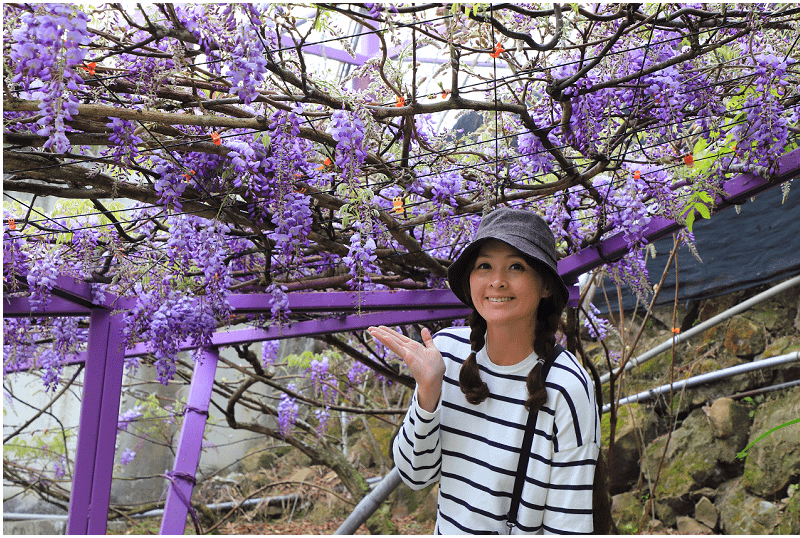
x=89 y=502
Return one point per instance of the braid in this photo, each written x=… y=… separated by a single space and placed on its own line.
x=469 y=378
x=548 y=317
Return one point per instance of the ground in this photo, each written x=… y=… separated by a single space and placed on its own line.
x=285 y=526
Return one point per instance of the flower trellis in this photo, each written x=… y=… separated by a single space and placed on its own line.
x=254 y=176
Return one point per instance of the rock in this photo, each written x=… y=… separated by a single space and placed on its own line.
x=742 y=513
x=262 y=456
x=789 y=518
x=636 y=427
x=727 y=417
x=669 y=509
x=654 y=526
x=688 y=525
x=695 y=458
x=626 y=511
x=774 y=462
x=744 y=338
x=706 y=513
x=301 y=475
x=429 y=506
x=770 y=316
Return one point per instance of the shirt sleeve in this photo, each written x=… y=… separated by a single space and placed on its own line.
x=417 y=447
x=568 y=508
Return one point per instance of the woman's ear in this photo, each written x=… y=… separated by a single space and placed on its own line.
x=548 y=291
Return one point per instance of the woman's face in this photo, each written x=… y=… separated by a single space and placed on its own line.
x=504 y=288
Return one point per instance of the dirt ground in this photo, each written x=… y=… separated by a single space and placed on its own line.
x=405 y=525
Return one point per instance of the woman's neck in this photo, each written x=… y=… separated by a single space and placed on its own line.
x=508 y=346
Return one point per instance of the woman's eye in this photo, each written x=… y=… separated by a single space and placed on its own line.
x=518 y=267
x=483 y=265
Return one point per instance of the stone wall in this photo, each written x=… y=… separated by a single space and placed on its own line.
x=675 y=464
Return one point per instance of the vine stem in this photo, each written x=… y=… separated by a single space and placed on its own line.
x=654 y=486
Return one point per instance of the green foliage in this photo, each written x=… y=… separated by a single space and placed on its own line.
x=752 y=403
x=743 y=454
x=303 y=360
x=358 y=198
x=700 y=202
x=49 y=445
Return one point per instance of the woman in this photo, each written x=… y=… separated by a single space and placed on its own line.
x=475 y=385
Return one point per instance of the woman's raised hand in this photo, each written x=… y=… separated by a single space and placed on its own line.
x=424 y=361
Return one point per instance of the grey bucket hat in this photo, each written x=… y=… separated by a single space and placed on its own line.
x=523 y=230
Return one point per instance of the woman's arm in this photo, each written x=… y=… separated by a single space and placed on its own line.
x=576 y=446
x=417 y=447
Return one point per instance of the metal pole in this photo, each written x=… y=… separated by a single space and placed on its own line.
x=190 y=445
x=370 y=503
x=97 y=431
x=701 y=327
x=709 y=377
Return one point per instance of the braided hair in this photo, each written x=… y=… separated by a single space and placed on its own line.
x=548 y=317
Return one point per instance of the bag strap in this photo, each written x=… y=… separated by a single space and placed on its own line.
x=527 y=442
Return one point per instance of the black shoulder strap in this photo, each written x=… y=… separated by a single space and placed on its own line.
x=527 y=442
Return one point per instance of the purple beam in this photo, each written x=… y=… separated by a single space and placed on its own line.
x=184 y=470
x=312 y=327
x=738 y=190
x=345 y=301
x=348 y=301
x=97 y=430
x=20 y=307
x=70 y=297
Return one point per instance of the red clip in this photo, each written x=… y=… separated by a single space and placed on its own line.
x=215 y=137
x=689 y=160
x=637 y=175
x=12 y=224
x=300 y=191
x=398 y=204
x=676 y=330
x=497 y=50
x=188 y=175
x=326 y=163
x=401 y=101
x=89 y=67
x=445 y=93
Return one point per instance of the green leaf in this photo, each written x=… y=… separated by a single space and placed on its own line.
x=700 y=146
x=703 y=210
x=690 y=220
x=703 y=195
x=743 y=454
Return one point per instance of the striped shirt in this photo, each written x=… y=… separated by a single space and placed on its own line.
x=473 y=450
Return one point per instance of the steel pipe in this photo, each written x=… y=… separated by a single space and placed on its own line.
x=709 y=378
x=701 y=327
x=370 y=503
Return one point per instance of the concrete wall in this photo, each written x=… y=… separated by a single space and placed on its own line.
x=140 y=481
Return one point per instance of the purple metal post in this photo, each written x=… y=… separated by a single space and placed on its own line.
x=190 y=445
x=97 y=431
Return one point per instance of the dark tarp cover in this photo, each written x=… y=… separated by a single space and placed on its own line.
x=759 y=245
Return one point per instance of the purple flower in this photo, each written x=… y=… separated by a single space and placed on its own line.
x=127 y=456
x=129 y=416
x=358 y=373
x=322 y=415
x=269 y=351
x=287 y=412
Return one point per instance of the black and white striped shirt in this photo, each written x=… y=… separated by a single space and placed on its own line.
x=473 y=450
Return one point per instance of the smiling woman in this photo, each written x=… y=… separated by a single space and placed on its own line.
x=477 y=387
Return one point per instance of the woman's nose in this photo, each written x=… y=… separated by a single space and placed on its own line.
x=498 y=280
